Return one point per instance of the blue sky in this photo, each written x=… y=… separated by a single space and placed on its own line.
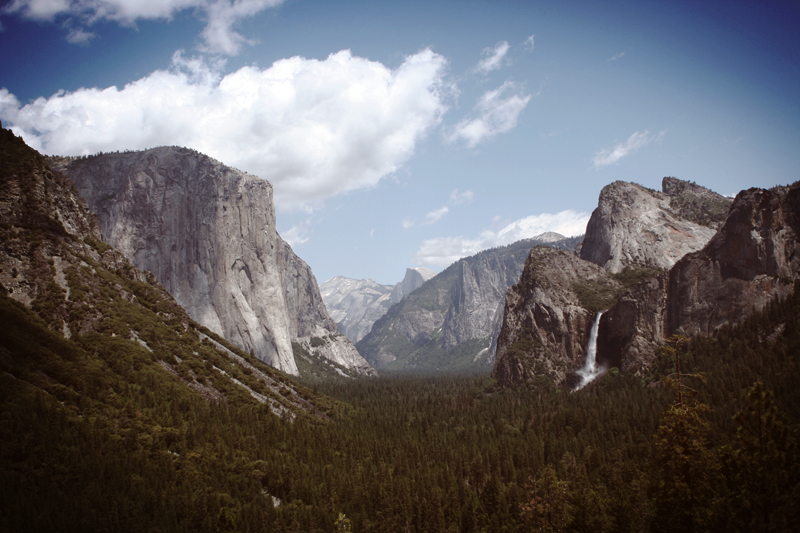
x=401 y=134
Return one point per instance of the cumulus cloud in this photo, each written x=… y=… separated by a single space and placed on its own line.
x=444 y=251
x=639 y=139
x=313 y=128
x=497 y=111
x=221 y=15
x=493 y=58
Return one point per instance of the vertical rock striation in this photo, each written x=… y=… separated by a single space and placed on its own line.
x=754 y=258
x=207 y=231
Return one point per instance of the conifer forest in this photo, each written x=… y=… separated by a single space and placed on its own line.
x=707 y=442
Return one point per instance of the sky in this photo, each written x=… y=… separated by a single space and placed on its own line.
x=406 y=134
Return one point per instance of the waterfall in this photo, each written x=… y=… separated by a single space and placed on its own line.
x=590 y=369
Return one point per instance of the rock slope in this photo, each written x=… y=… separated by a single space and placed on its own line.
x=636 y=226
x=447 y=324
x=207 y=232
x=751 y=260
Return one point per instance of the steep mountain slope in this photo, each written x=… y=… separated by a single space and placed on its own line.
x=447 y=323
x=117 y=411
x=63 y=277
x=355 y=304
x=413 y=279
x=636 y=226
x=751 y=260
x=207 y=232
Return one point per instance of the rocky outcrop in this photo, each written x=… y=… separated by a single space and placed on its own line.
x=751 y=260
x=548 y=316
x=448 y=323
x=754 y=258
x=636 y=226
x=632 y=330
x=207 y=231
x=355 y=304
x=413 y=279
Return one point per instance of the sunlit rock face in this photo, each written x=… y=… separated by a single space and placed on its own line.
x=207 y=231
x=753 y=258
x=451 y=321
x=686 y=261
x=636 y=226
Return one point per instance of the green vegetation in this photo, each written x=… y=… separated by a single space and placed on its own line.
x=633 y=275
x=595 y=295
x=422 y=454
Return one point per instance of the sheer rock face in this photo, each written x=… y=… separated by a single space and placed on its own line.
x=633 y=225
x=479 y=290
x=754 y=258
x=207 y=232
x=631 y=331
x=355 y=304
x=546 y=325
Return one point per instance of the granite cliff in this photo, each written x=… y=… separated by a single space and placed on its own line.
x=448 y=323
x=638 y=237
x=84 y=325
x=207 y=232
x=750 y=261
x=636 y=226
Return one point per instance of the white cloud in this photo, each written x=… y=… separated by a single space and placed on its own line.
x=221 y=15
x=443 y=251
x=456 y=198
x=497 y=111
x=493 y=57
x=639 y=139
x=434 y=216
x=313 y=128
x=77 y=35
x=618 y=56
x=459 y=198
x=529 y=42
x=296 y=235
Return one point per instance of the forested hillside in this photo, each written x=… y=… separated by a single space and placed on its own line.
x=436 y=454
